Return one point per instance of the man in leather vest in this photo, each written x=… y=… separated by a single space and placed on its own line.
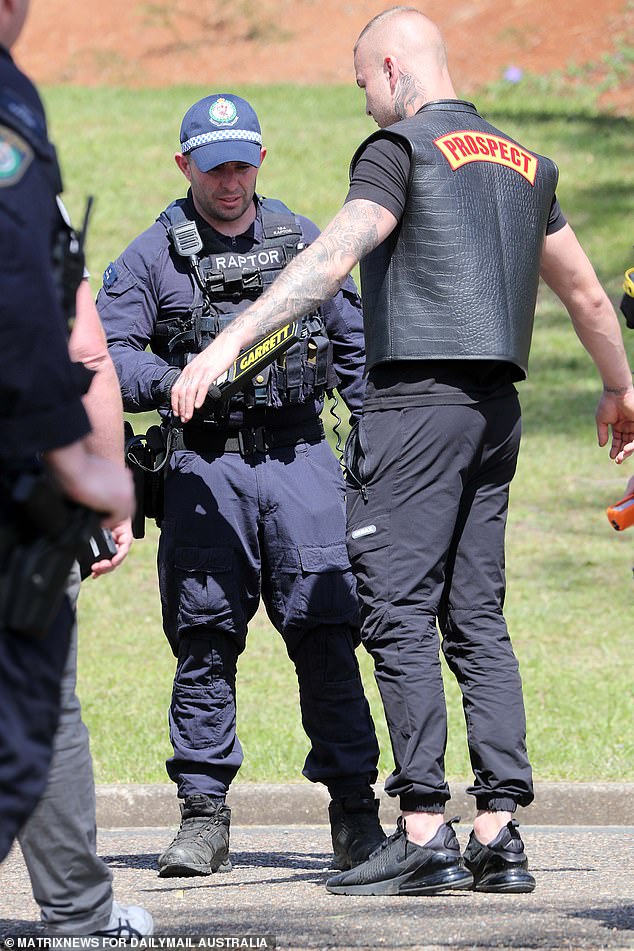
x=253 y=496
x=453 y=222
x=44 y=428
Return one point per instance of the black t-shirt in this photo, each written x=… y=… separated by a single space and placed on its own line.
x=381 y=175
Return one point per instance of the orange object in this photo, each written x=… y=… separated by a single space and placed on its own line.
x=621 y=514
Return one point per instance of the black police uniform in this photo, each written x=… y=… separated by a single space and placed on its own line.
x=448 y=308
x=40 y=410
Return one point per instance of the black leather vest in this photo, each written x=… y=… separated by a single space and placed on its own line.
x=224 y=284
x=457 y=279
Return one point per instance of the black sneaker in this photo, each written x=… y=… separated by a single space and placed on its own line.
x=400 y=867
x=202 y=843
x=355 y=829
x=500 y=866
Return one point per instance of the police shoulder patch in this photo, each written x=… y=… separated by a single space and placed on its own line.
x=110 y=276
x=15 y=157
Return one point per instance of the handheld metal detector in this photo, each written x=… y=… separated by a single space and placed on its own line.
x=254 y=358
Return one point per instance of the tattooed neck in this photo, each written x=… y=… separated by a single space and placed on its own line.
x=409 y=96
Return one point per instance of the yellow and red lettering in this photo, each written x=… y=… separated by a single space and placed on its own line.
x=464 y=146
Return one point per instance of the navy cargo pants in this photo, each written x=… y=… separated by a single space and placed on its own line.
x=272 y=526
x=426 y=541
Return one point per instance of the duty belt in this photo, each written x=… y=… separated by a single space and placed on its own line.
x=249 y=440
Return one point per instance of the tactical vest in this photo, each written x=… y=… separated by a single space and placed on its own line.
x=458 y=278
x=224 y=284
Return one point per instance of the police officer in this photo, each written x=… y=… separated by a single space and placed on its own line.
x=253 y=496
x=59 y=837
x=454 y=222
x=42 y=419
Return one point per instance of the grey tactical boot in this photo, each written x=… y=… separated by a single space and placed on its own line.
x=202 y=843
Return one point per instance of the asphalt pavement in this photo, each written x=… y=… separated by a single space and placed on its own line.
x=584 y=866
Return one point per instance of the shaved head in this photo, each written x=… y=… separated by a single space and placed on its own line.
x=407 y=31
x=400 y=55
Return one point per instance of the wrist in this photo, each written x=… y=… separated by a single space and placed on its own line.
x=613 y=389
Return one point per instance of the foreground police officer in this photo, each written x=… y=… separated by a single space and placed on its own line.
x=42 y=419
x=254 y=499
x=454 y=221
x=71 y=884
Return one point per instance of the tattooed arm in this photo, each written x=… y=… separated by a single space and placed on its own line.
x=311 y=278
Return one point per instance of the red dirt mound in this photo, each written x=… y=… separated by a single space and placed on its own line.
x=158 y=43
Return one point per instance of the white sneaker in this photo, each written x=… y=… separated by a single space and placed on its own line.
x=127 y=921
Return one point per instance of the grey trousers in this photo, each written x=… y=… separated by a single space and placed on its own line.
x=70 y=882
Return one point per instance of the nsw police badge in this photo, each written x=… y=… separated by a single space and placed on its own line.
x=15 y=157
x=223 y=112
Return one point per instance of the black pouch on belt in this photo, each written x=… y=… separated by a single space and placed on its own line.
x=147 y=456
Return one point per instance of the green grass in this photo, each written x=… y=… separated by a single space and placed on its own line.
x=569 y=603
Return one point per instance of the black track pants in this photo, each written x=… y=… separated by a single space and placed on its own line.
x=426 y=542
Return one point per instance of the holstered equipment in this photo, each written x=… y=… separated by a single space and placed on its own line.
x=39 y=543
x=147 y=457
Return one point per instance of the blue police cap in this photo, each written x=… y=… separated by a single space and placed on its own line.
x=221 y=128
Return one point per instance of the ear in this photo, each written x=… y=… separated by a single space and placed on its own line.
x=262 y=156
x=391 y=71
x=183 y=163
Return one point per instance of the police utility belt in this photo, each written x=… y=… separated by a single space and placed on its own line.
x=147 y=456
x=249 y=440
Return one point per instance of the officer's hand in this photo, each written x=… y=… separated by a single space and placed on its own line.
x=122 y=536
x=191 y=389
x=615 y=415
